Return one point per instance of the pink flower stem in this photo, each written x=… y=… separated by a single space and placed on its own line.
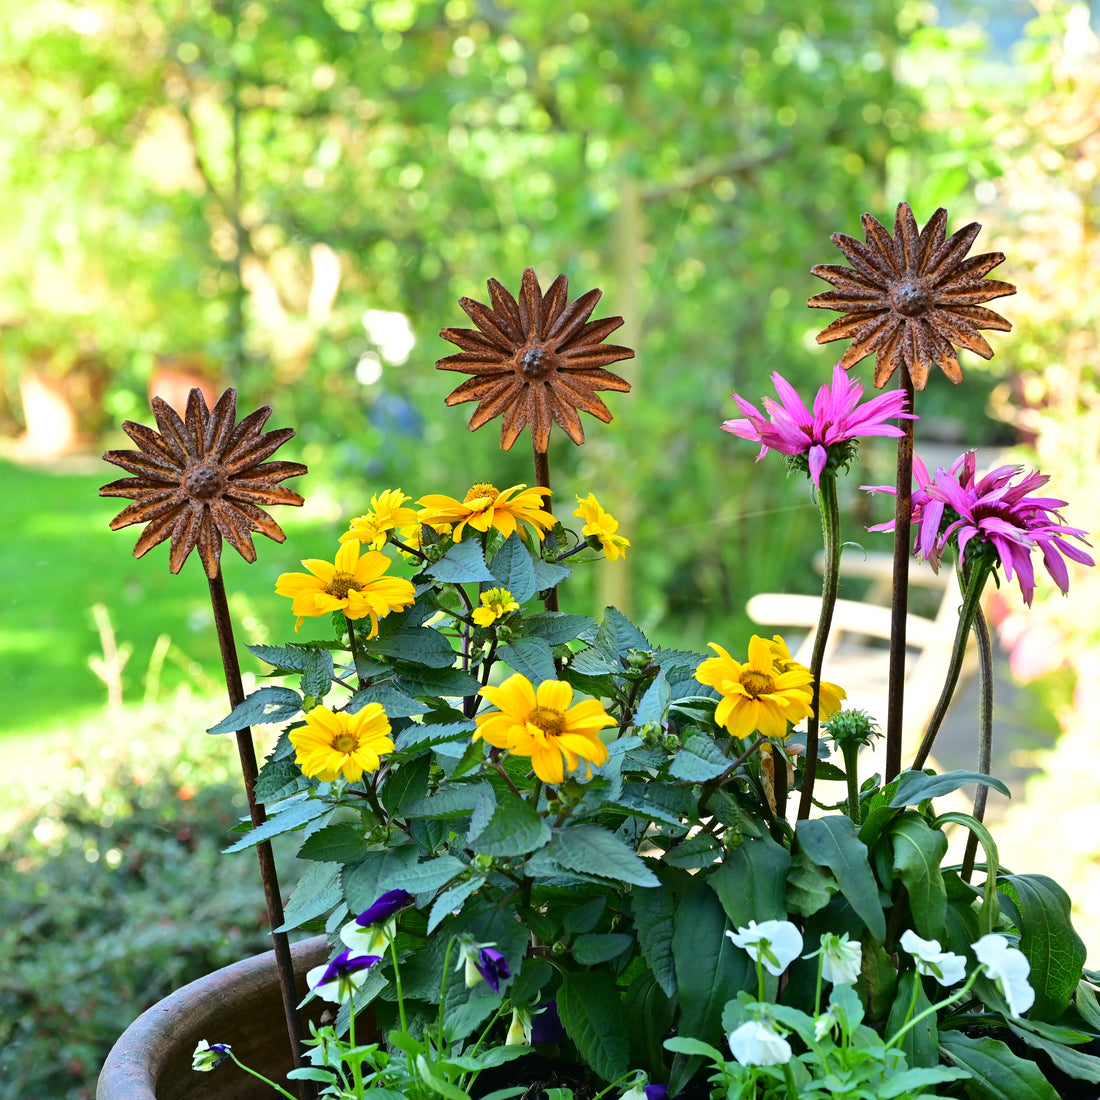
x=973 y=584
x=903 y=503
x=985 y=735
x=542 y=479
x=247 y=752
x=830 y=529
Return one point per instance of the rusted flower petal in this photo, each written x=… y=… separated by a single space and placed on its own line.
x=201 y=479
x=535 y=360
x=912 y=297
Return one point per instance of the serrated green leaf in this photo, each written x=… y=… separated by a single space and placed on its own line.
x=291 y=815
x=832 y=842
x=513 y=568
x=342 y=842
x=530 y=656
x=593 y=948
x=655 y=702
x=406 y=784
x=426 y=736
x=696 y=851
x=657 y=801
x=464 y=563
x=286 y=657
x=918 y=850
x=430 y=875
x=278 y=779
x=317 y=675
x=452 y=899
x=654 y=913
x=592 y=1015
x=1048 y=940
x=809 y=887
x=913 y=787
x=419 y=681
x=751 y=883
x=998 y=1073
x=548 y=574
x=452 y=800
x=365 y=882
x=594 y=851
x=556 y=627
x=271 y=703
x=421 y=645
x=318 y=890
x=395 y=703
x=514 y=829
x=700 y=759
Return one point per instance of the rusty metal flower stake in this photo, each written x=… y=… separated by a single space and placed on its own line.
x=910 y=300
x=536 y=360
x=198 y=480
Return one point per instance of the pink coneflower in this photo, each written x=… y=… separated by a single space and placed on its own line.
x=828 y=432
x=954 y=507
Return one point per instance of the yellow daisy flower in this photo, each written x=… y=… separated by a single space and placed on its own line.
x=386 y=514
x=602 y=526
x=495 y=604
x=540 y=723
x=486 y=506
x=832 y=695
x=351 y=584
x=337 y=743
x=756 y=696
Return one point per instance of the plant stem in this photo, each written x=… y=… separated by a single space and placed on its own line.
x=246 y=750
x=903 y=506
x=542 y=479
x=985 y=735
x=830 y=529
x=261 y=1077
x=972 y=594
x=850 y=752
x=357 y=1064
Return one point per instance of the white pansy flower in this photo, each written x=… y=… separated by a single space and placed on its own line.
x=840 y=959
x=208 y=1056
x=776 y=943
x=1008 y=967
x=756 y=1044
x=945 y=966
x=373 y=940
x=825 y=1023
x=519 y=1030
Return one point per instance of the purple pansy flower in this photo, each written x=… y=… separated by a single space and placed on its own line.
x=342 y=976
x=387 y=906
x=492 y=966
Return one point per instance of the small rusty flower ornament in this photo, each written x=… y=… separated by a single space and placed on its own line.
x=536 y=360
x=202 y=478
x=911 y=297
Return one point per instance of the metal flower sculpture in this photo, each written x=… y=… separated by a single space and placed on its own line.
x=911 y=297
x=202 y=478
x=536 y=360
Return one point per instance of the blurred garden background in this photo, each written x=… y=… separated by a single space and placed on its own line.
x=291 y=198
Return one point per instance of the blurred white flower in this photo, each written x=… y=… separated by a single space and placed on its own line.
x=840 y=959
x=1008 y=967
x=756 y=1044
x=777 y=943
x=945 y=966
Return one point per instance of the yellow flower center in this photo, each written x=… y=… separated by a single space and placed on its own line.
x=482 y=489
x=549 y=720
x=345 y=742
x=757 y=683
x=341 y=584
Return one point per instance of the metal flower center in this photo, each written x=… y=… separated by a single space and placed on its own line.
x=203 y=482
x=535 y=361
x=341 y=584
x=345 y=742
x=549 y=720
x=481 y=490
x=911 y=298
x=757 y=683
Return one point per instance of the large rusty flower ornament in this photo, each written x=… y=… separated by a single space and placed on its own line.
x=911 y=297
x=536 y=360
x=202 y=478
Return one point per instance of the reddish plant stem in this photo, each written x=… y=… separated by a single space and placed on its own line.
x=542 y=478
x=268 y=875
x=900 y=605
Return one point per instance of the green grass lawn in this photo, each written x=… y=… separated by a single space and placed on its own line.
x=59 y=559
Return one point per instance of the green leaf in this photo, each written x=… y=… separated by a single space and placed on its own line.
x=655 y=703
x=592 y=1015
x=920 y=1044
x=695 y=1047
x=318 y=673
x=269 y=704
x=584 y=917
x=395 y=703
x=291 y=815
x=1078 y=1064
x=290 y=658
x=342 y=842
x=420 y=681
x=918 y=850
x=809 y=887
x=420 y=645
x=909 y=1081
x=548 y=574
x=365 y=882
x=650 y=1016
x=751 y=884
x=318 y=890
x=452 y=899
x=556 y=627
x=594 y=851
x=514 y=569
x=593 y=948
x=532 y=657
x=654 y=921
x=406 y=784
x=998 y=1073
x=464 y=563
x=1085 y=1003
x=514 y=829
x=696 y=851
x=657 y=801
x=427 y=736
x=430 y=875
x=278 y=779
x=832 y=842
x=451 y=800
x=1048 y=940
x=700 y=759
x=914 y=787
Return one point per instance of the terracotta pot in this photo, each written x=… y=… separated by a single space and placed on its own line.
x=239 y=1005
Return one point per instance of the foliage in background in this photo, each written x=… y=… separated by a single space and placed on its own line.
x=115 y=889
